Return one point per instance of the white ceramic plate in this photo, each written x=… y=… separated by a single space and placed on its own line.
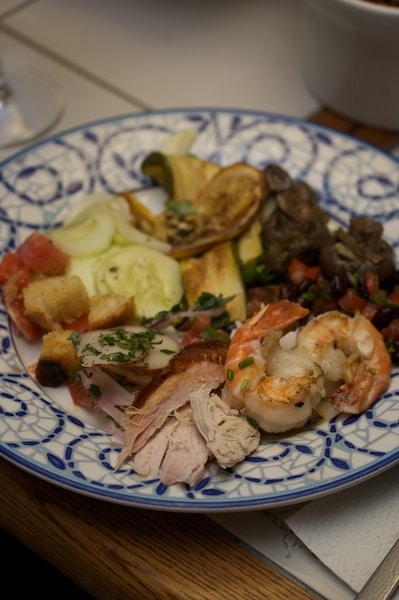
x=40 y=429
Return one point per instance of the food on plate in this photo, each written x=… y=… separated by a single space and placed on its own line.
x=54 y=300
x=359 y=250
x=348 y=349
x=197 y=364
x=236 y=312
x=58 y=357
x=150 y=277
x=179 y=421
x=100 y=221
x=182 y=175
x=293 y=225
x=220 y=210
x=109 y=310
x=277 y=388
x=216 y=269
x=279 y=376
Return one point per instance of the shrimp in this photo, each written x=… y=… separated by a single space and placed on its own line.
x=353 y=357
x=277 y=386
x=334 y=363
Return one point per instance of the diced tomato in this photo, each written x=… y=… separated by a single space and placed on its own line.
x=39 y=254
x=27 y=328
x=21 y=279
x=198 y=324
x=79 y=324
x=299 y=271
x=10 y=264
x=351 y=302
x=259 y=296
x=372 y=283
x=79 y=393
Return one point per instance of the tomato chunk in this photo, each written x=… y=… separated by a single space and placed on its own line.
x=299 y=271
x=195 y=328
x=28 y=329
x=79 y=394
x=10 y=264
x=351 y=302
x=39 y=254
x=80 y=324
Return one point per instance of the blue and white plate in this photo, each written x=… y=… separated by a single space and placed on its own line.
x=44 y=433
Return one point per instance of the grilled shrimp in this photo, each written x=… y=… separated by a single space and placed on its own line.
x=279 y=373
x=276 y=385
x=353 y=356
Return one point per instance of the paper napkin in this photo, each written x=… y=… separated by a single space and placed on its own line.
x=352 y=531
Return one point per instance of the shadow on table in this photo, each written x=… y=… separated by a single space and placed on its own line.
x=43 y=579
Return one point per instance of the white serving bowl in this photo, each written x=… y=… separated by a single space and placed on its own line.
x=351 y=59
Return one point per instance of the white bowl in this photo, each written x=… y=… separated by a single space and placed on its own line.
x=351 y=59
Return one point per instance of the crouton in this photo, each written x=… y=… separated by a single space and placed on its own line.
x=109 y=310
x=58 y=357
x=52 y=301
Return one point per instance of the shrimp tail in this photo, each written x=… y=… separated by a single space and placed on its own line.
x=278 y=315
x=358 y=395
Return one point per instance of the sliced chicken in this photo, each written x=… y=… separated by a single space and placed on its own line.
x=147 y=461
x=229 y=435
x=185 y=457
x=199 y=364
x=177 y=453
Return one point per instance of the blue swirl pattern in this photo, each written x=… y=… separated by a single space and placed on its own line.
x=47 y=437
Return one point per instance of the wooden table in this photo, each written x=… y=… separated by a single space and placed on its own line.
x=116 y=552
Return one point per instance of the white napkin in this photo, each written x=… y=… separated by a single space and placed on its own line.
x=352 y=531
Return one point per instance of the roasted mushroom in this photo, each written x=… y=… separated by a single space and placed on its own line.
x=358 y=251
x=296 y=226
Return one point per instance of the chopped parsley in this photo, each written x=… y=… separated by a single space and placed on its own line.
x=121 y=345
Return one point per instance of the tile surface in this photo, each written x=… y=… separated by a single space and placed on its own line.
x=176 y=54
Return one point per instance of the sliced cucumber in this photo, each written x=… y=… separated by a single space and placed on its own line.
x=127 y=234
x=93 y=203
x=86 y=238
x=102 y=219
x=86 y=267
x=150 y=277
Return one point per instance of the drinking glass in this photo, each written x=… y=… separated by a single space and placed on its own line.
x=30 y=104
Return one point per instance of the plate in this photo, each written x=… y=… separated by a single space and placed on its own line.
x=40 y=429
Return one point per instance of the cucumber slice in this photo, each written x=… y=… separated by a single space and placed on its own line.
x=153 y=279
x=86 y=238
x=127 y=234
x=85 y=267
x=92 y=203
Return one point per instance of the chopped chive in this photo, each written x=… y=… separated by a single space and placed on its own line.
x=245 y=384
x=230 y=374
x=252 y=422
x=246 y=362
x=94 y=391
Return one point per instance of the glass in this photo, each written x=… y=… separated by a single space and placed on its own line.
x=30 y=104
